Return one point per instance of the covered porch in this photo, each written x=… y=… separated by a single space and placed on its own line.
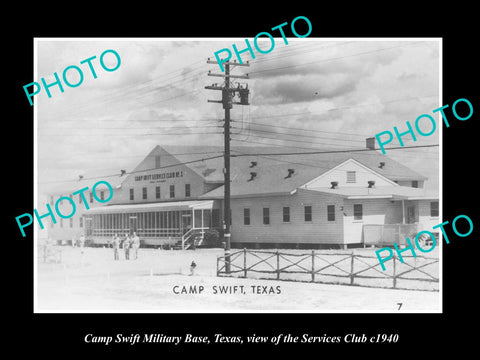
x=155 y=223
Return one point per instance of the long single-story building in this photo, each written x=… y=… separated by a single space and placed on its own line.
x=336 y=199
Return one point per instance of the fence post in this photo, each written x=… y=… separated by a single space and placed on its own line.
x=313 y=265
x=394 y=270
x=218 y=272
x=278 y=266
x=352 y=276
x=245 y=262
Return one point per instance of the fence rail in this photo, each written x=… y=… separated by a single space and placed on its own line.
x=348 y=268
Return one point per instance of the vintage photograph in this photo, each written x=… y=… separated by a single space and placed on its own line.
x=230 y=175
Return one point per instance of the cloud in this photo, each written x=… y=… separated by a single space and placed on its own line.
x=349 y=87
x=292 y=89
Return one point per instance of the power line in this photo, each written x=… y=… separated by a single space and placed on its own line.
x=130 y=128
x=134 y=172
x=241 y=155
x=310 y=148
x=143 y=120
x=270 y=144
x=114 y=95
x=330 y=59
x=130 y=135
x=294 y=140
x=337 y=151
x=300 y=135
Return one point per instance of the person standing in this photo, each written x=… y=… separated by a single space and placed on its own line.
x=135 y=245
x=82 y=243
x=115 y=246
x=126 y=247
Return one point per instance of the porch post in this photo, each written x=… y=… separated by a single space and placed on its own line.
x=202 y=220
x=193 y=218
x=403 y=211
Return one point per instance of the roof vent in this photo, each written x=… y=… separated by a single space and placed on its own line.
x=370 y=142
x=382 y=164
x=253 y=164
x=371 y=184
x=80 y=177
x=334 y=184
x=252 y=176
x=123 y=172
x=290 y=173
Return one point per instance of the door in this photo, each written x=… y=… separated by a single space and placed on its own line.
x=133 y=224
x=186 y=221
x=410 y=214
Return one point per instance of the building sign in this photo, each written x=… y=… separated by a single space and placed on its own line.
x=167 y=175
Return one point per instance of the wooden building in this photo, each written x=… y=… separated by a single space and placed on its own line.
x=337 y=199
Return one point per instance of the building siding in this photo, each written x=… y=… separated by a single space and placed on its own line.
x=184 y=176
x=55 y=231
x=427 y=222
x=375 y=211
x=318 y=231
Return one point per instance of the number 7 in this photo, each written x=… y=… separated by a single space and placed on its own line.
x=399 y=305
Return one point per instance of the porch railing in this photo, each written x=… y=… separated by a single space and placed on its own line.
x=193 y=237
x=389 y=234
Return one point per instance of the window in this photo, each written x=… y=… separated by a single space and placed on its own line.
x=308 y=213
x=246 y=216
x=61 y=222
x=80 y=199
x=131 y=195
x=71 y=196
x=102 y=195
x=357 y=212
x=187 y=190
x=331 y=212
x=266 y=216
x=157 y=161
x=286 y=214
x=51 y=200
x=80 y=221
x=351 y=177
x=157 y=192
x=172 y=191
x=434 y=209
x=144 y=193
x=71 y=222
x=415 y=184
x=91 y=197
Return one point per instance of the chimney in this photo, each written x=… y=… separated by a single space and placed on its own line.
x=371 y=143
x=290 y=173
x=382 y=164
x=334 y=184
x=253 y=164
x=252 y=176
x=371 y=184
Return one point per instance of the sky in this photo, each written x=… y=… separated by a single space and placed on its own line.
x=312 y=94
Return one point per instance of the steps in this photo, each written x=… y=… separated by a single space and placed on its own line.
x=192 y=239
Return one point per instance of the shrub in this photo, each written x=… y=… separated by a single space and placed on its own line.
x=211 y=238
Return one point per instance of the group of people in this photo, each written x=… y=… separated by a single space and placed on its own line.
x=130 y=245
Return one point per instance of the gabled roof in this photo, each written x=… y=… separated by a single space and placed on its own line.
x=271 y=170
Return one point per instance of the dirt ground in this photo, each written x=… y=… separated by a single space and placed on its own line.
x=159 y=281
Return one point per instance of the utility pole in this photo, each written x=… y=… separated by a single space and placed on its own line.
x=228 y=93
